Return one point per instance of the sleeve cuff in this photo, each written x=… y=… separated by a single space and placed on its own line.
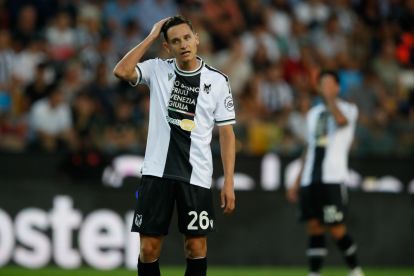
x=139 y=76
x=226 y=122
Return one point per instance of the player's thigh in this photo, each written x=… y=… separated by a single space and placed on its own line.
x=333 y=204
x=194 y=209
x=155 y=205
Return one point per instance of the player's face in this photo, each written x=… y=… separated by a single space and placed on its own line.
x=329 y=86
x=182 y=43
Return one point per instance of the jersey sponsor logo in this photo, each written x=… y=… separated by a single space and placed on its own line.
x=138 y=220
x=183 y=99
x=228 y=103
x=207 y=88
x=185 y=124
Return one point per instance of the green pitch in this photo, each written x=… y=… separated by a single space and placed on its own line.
x=213 y=271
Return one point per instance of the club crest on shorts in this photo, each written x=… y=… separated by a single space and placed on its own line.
x=207 y=88
x=138 y=220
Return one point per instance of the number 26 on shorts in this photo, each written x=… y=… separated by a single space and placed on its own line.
x=199 y=220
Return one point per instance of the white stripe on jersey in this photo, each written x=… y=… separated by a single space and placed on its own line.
x=336 y=143
x=213 y=104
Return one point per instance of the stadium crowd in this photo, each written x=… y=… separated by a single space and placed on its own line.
x=58 y=93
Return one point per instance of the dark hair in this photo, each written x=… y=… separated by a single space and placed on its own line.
x=174 y=21
x=331 y=73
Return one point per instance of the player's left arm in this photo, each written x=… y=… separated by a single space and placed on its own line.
x=228 y=157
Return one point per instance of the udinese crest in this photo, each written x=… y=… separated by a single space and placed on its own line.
x=207 y=88
x=138 y=220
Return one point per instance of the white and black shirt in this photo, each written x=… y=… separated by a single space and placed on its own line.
x=184 y=107
x=328 y=144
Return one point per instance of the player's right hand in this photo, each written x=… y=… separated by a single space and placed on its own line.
x=156 y=29
x=292 y=194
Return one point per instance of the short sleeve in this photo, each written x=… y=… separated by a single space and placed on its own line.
x=144 y=72
x=352 y=114
x=224 y=113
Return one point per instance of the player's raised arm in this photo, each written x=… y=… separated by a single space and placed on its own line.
x=228 y=156
x=125 y=69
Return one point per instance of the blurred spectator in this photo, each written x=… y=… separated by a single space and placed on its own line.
x=150 y=11
x=72 y=81
x=275 y=93
x=346 y=16
x=312 y=12
x=51 y=122
x=297 y=119
x=84 y=120
x=224 y=20
x=330 y=42
x=279 y=18
x=118 y=12
x=26 y=27
x=128 y=37
x=61 y=37
x=102 y=90
x=234 y=62
x=89 y=26
x=386 y=66
x=257 y=36
x=27 y=60
x=13 y=131
x=7 y=57
x=366 y=96
x=37 y=89
x=120 y=133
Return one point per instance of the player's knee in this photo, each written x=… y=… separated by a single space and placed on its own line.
x=337 y=231
x=315 y=228
x=195 y=247
x=149 y=251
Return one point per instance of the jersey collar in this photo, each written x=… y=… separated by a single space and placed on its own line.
x=188 y=73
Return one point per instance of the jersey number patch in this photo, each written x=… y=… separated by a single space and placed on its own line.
x=202 y=219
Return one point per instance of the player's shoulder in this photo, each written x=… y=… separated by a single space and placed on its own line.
x=215 y=73
x=159 y=61
x=347 y=106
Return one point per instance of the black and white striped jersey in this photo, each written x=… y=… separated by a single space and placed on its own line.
x=184 y=107
x=328 y=144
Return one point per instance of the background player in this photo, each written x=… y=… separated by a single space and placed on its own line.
x=187 y=97
x=331 y=126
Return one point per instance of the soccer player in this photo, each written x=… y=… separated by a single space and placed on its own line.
x=187 y=98
x=320 y=183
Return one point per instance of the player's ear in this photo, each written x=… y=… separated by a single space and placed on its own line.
x=197 y=38
x=166 y=46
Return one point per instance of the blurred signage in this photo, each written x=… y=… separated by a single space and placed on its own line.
x=37 y=237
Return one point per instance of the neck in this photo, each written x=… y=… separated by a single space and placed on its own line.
x=190 y=65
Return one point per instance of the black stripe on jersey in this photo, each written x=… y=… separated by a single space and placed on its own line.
x=181 y=106
x=140 y=74
x=217 y=71
x=320 y=150
x=317 y=164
